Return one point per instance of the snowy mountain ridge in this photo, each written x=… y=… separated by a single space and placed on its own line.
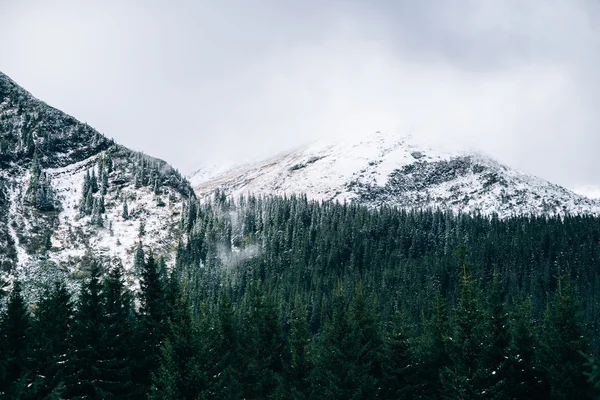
x=68 y=194
x=392 y=169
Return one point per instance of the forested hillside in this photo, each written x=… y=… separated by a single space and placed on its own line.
x=291 y=299
x=68 y=193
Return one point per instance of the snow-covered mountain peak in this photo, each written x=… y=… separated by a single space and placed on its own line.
x=388 y=168
x=321 y=169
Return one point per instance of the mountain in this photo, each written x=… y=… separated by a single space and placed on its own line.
x=64 y=188
x=391 y=169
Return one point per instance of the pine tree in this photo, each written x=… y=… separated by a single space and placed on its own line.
x=86 y=183
x=166 y=381
x=85 y=196
x=125 y=213
x=399 y=362
x=263 y=348
x=462 y=378
x=151 y=325
x=369 y=345
x=44 y=197
x=117 y=336
x=105 y=182
x=523 y=373
x=300 y=366
x=93 y=182
x=180 y=375
x=593 y=373
x=430 y=353
x=139 y=260
x=108 y=162
x=563 y=344
x=40 y=193
x=493 y=368
x=163 y=273
x=47 y=245
x=36 y=167
x=347 y=362
x=227 y=363
x=15 y=343
x=88 y=205
x=50 y=332
x=86 y=356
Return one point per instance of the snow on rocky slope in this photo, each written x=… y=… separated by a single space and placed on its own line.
x=391 y=169
x=48 y=225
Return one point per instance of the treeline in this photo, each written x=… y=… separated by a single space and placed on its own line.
x=403 y=258
x=284 y=298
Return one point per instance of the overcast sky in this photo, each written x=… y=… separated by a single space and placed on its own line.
x=195 y=82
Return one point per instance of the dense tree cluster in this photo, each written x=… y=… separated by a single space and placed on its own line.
x=94 y=188
x=40 y=193
x=290 y=299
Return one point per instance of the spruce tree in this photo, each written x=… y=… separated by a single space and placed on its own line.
x=166 y=381
x=593 y=373
x=15 y=342
x=93 y=182
x=399 y=364
x=85 y=372
x=105 y=182
x=493 y=367
x=117 y=336
x=180 y=375
x=84 y=206
x=125 y=213
x=563 y=345
x=523 y=371
x=44 y=197
x=51 y=328
x=300 y=366
x=139 y=260
x=227 y=363
x=108 y=162
x=430 y=353
x=368 y=345
x=263 y=348
x=151 y=326
x=347 y=359
x=462 y=379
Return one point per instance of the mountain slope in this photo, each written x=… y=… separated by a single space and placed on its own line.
x=386 y=168
x=64 y=186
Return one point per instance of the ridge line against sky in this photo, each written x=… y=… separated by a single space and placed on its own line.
x=202 y=82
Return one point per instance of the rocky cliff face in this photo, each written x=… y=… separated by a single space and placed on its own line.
x=68 y=193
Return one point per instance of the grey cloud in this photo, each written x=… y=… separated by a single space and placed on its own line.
x=210 y=81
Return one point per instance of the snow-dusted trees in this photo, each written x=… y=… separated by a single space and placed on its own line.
x=40 y=192
x=92 y=201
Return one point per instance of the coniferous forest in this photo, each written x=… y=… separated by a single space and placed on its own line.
x=284 y=298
